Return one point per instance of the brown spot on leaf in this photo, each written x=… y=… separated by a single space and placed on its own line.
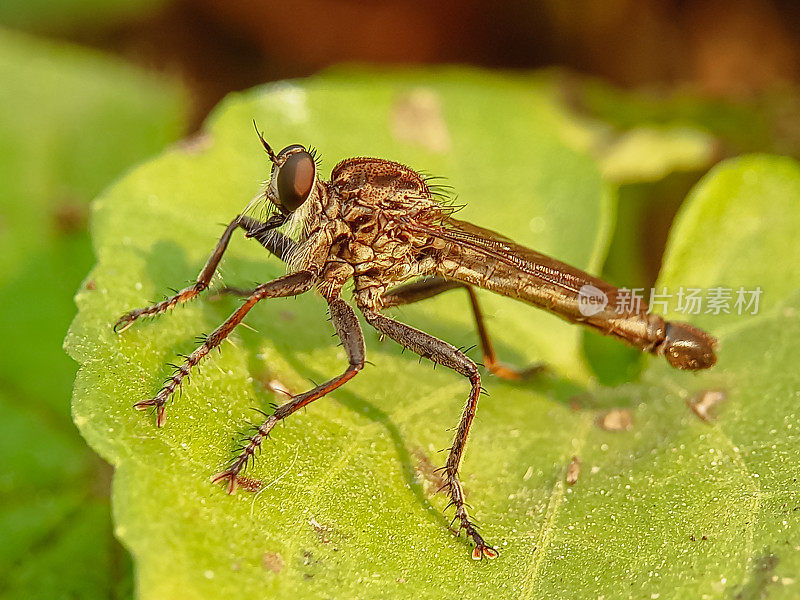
x=249 y=484
x=71 y=216
x=272 y=561
x=417 y=117
x=618 y=419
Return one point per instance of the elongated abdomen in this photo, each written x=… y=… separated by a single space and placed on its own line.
x=484 y=259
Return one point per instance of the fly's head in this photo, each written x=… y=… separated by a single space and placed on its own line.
x=293 y=191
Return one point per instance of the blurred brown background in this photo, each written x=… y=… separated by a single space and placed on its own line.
x=732 y=48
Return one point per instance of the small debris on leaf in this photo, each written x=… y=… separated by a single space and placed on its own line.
x=249 y=484
x=704 y=404
x=573 y=470
x=618 y=419
x=320 y=529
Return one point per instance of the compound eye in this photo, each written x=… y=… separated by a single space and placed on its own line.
x=295 y=179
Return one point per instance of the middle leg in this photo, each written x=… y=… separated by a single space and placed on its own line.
x=288 y=285
x=348 y=329
x=427 y=288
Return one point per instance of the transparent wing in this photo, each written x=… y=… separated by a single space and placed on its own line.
x=487 y=244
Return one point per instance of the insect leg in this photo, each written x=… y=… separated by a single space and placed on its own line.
x=272 y=240
x=408 y=293
x=288 y=285
x=490 y=360
x=232 y=291
x=445 y=354
x=427 y=288
x=349 y=331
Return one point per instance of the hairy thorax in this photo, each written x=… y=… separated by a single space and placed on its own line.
x=360 y=229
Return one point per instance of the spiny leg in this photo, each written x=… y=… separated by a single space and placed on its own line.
x=232 y=291
x=427 y=288
x=349 y=331
x=445 y=354
x=408 y=293
x=288 y=285
x=272 y=240
x=490 y=360
x=188 y=293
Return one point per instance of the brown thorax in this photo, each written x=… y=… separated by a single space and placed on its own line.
x=355 y=225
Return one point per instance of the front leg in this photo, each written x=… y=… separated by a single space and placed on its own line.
x=443 y=353
x=349 y=331
x=288 y=285
x=272 y=240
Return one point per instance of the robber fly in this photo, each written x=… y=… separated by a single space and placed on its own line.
x=380 y=224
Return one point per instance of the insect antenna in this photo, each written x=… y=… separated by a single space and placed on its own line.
x=264 y=143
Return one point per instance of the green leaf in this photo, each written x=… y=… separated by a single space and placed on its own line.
x=747 y=217
x=678 y=505
x=644 y=146
x=58 y=151
x=762 y=123
x=347 y=507
x=64 y=15
x=650 y=153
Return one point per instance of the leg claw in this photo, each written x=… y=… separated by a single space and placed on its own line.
x=124 y=322
x=228 y=475
x=161 y=411
x=482 y=551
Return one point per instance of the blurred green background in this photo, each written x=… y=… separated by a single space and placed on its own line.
x=89 y=88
